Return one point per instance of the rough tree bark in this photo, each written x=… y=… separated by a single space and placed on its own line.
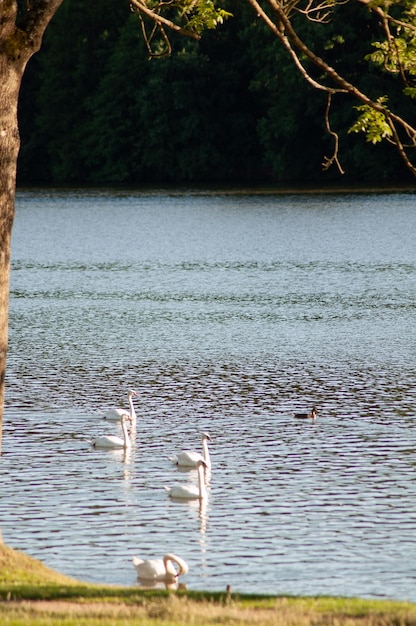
x=21 y=33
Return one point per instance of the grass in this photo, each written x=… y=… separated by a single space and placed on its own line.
x=34 y=595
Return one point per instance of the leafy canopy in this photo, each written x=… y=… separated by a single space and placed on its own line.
x=394 y=54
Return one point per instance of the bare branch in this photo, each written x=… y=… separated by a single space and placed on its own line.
x=157 y=28
x=400 y=147
x=328 y=161
x=280 y=34
x=320 y=12
x=384 y=15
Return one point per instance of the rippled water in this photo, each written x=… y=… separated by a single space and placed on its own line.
x=227 y=312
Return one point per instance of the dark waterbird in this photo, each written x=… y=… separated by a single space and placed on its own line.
x=311 y=415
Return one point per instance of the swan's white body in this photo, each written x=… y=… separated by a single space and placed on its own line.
x=112 y=441
x=189 y=491
x=160 y=570
x=114 y=415
x=190 y=458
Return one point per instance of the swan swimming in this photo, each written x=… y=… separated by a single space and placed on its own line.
x=311 y=415
x=189 y=491
x=190 y=458
x=114 y=414
x=160 y=570
x=112 y=441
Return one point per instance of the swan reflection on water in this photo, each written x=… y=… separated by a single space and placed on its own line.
x=203 y=515
x=154 y=584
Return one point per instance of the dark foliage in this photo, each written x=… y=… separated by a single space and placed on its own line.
x=95 y=110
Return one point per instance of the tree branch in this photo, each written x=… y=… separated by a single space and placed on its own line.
x=320 y=12
x=387 y=16
x=35 y=21
x=280 y=34
x=162 y=21
x=328 y=161
x=400 y=147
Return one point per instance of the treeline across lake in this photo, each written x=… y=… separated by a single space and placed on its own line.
x=95 y=109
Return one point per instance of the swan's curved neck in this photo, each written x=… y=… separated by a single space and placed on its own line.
x=201 y=482
x=132 y=411
x=169 y=569
x=127 y=442
x=168 y=559
x=206 y=452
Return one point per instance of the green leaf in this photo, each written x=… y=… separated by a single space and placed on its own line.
x=372 y=123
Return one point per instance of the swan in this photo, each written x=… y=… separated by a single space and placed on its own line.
x=311 y=415
x=189 y=491
x=190 y=458
x=112 y=441
x=115 y=414
x=160 y=570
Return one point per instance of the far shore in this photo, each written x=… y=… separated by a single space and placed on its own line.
x=228 y=189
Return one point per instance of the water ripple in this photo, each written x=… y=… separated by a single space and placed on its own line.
x=224 y=318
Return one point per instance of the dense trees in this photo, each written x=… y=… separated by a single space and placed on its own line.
x=230 y=107
x=187 y=116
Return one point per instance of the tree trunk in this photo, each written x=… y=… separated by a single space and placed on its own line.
x=10 y=78
x=18 y=42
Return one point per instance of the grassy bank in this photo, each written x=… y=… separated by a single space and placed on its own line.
x=33 y=595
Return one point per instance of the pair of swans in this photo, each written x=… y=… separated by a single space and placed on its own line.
x=118 y=415
x=189 y=459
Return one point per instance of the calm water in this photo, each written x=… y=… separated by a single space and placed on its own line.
x=227 y=312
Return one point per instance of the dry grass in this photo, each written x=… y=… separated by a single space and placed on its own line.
x=33 y=595
x=175 y=611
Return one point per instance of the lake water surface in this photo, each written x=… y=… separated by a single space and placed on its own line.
x=227 y=312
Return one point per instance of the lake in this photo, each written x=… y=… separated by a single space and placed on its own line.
x=227 y=311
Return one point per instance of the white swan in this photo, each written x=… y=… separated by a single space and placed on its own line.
x=160 y=570
x=189 y=491
x=115 y=414
x=190 y=458
x=112 y=441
